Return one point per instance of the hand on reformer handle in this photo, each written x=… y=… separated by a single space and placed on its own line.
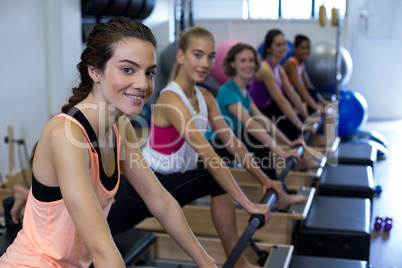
x=7 y=205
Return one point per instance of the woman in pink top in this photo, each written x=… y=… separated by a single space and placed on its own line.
x=77 y=161
x=296 y=72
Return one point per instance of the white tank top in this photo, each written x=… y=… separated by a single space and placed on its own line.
x=186 y=157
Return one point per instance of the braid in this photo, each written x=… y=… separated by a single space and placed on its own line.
x=83 y=89
x=78 y=96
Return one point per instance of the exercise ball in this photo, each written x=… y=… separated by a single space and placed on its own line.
x=321 y=67
x=221 y=51
x=367 y=134
x=382 y=152
x=290 y=52
x=168 y=58
x=352 y=111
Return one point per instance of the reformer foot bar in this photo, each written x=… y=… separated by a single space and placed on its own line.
x=256 y=221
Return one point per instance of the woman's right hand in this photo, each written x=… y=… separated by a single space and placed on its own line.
x=261 y=209
x=309 y=128
x=292 y=153
x=296 y=143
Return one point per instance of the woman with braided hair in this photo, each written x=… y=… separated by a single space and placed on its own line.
x=77 y=161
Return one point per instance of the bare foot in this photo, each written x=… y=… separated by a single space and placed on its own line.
x=304 y=164
x=20 y=194
x=287 y=200
x=243 y=263
x=319 y=141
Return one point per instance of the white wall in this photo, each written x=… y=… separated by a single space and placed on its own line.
x=375 y=47
x=254 y=31
x=39 y=48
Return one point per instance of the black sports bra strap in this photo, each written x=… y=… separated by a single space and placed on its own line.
x=80 y=117
x=108 y=182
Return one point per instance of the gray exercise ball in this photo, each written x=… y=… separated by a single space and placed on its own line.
x=168 y=58
x=321 y=67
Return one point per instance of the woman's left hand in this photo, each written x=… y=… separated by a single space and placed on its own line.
x=297 y=142
x=271 y=184
x=261 y=209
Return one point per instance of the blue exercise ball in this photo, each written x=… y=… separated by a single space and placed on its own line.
x=352 y=111
x=290 y=52
x=168 y=58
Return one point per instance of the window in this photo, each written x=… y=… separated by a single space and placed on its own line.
x=290 y=9
x=260 y=9
x=300 y=9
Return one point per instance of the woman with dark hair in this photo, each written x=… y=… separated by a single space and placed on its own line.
x=298 y=76
x=271 y=91
x=77 y=161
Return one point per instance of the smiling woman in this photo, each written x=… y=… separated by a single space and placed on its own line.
x=128 y=74
x=77 y=161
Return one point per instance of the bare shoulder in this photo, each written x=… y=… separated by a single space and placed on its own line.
x=265 y=74
x=61 y=130
x=168 y=108
x=289 y=65
x=263 y=71
x=168 y=96
x=206 y=93
x=168 y=103
x=63 y=140
x=61 y=145
x=282 y=70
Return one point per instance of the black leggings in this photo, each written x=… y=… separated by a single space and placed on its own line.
x=129 y=209
x=273 y=112
x=313 y=94
x=262 y=154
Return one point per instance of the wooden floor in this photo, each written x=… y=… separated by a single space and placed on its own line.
x=386 y=248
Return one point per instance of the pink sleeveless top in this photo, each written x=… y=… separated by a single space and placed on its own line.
x=165 y=140
x=49 y=237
